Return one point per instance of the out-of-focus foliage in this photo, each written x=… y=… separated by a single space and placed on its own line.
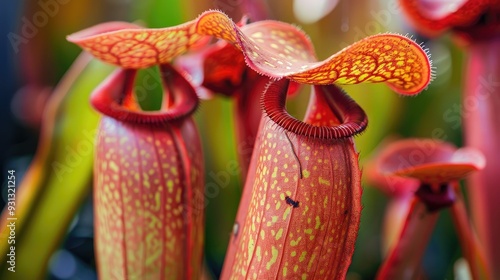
x=59 y=177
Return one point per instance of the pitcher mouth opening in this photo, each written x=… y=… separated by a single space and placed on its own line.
x=350 y=115
x=115 y=97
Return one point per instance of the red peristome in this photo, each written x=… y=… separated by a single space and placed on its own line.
x=300 y=209
x=148 y=201
x=115 y=97
x=351 y=118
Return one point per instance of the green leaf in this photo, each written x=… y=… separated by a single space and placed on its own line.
x=60 y=175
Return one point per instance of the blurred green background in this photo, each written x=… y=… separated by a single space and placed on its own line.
x=35 y=56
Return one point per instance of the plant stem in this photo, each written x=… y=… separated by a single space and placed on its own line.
x=470 y=247
x=405 y=257
x=395 y=215
x=482 y=131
